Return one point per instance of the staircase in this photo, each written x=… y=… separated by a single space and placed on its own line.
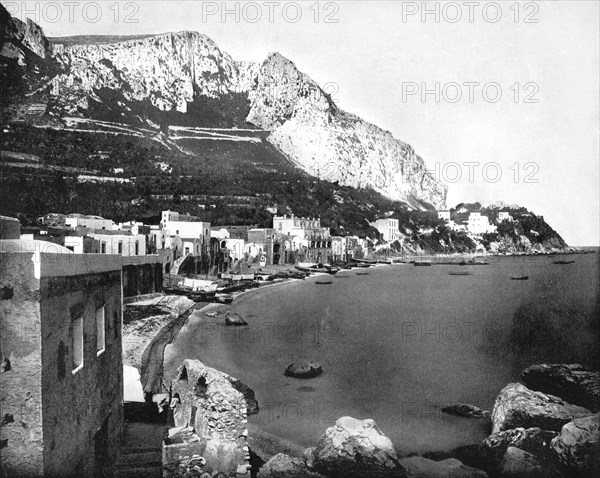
x=141 y=454
x=178 y=263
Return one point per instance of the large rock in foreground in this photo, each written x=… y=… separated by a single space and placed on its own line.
x=356 y=449
x=573 y=383
x=532 y=440
x=517 y=406
x=284 y=466
x=578 y=446
x=419 y=467
x=466 y=410
x=517 y=463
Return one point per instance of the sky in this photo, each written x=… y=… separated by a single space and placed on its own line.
x=501 y=99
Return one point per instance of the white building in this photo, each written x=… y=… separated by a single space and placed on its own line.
x=479 y=224
x=122 y=244
x=91 y=222
x=445 y=215
x=388 y=228
x=504 y=216
x=298 y=226
x=189 y=227
x=235 y=246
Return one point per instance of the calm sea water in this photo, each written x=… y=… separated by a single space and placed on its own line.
x=399 y=343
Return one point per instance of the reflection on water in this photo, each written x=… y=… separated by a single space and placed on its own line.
x=399 y=344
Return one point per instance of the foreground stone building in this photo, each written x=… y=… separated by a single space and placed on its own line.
x=61 y=380
x=210 y=414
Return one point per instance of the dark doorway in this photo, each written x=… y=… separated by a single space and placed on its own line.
x=101 y=452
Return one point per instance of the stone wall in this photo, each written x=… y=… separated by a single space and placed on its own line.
x=50 y=416
x=142 y=275
x=210 y=423
x=21 y=437
x=77 y=405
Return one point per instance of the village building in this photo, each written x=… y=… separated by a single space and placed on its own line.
x=479 y=224
x=444 y=215
x=504 y=216
x=61 y=380
x=115 y=242
x=388 y=228
x=76 y=221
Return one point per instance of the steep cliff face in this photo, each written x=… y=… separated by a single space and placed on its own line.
x=169 y=70
x=310 y=129
x=185 y=77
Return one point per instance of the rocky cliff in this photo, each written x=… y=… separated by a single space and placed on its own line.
x=326 y=141
x=186 y=74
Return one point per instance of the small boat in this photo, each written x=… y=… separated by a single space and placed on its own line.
x=519 y=278
x=201 y=296
x=362 y=273
x=564 y=262
x=223 y=298
x=324 y=281
x=460 y=273
x=422 y=263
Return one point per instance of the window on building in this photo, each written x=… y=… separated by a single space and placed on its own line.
x=137 y=248
x=61 y=362
x=120 y=247
x=100 y=328
x=77 y=344
x=103 y=248
x=116 y=325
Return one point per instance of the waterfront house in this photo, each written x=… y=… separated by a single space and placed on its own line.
x=61 y=381
x=479 y=224
x=115 y=242
x=388 y=228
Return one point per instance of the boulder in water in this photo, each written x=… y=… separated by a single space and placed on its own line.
x=517 y=406
x=419 y=467
x=517 y=463
x=532 y=440
x=284 y=466
x=466 y=410
x=578 y=446
x=571 y=382
x=356 y=449
x=232 y=318
x=304 y=370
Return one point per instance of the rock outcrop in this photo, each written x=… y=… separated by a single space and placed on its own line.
x=532 y=440
x=517 y=463
x=466 y=410
x=517 y=406
x=578 y=446
x=355 y=449
x=284 y=466
x=574 y=383
x=309 y=128
x=210 y=422
x=184 y=77
x=419 y=467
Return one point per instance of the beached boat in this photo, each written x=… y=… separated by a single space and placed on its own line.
x=564 y=262
x=201 y=296
x=223 y=298
x=519 y=278
x=460 y=273
x=422 y=263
